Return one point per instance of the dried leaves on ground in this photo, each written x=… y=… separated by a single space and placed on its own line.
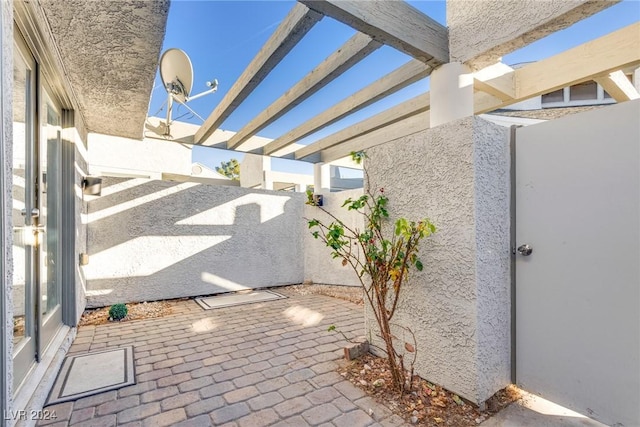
x=137 y=310
x=427 y=404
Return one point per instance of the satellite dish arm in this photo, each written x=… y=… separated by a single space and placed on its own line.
x=214 y=87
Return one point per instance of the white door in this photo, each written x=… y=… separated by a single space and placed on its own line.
x=36 y=218
x=578 y=291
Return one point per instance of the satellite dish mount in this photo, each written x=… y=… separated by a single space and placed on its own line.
x=176 y=73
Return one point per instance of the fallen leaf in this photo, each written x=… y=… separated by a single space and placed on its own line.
x=438 y=401
x=409 y=347
x=457 y=400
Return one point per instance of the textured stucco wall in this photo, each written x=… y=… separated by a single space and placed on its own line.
x=458 y=306
x=482 y=31
x=319 y=267
x=252 y=169
x=151 y=240
x=111 y=52
x=493 y=256
x=150 y=157
x=6 y=97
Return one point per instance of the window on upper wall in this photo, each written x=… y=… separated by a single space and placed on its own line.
x=555 y=96
x=584 y=91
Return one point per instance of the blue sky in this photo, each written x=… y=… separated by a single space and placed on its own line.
x=222 y=37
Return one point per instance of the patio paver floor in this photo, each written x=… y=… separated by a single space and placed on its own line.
x=271 y=363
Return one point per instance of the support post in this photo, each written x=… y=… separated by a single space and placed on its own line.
x=451 y=93
x=321 y=178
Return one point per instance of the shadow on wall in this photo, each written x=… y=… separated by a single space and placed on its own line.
x=151 y=240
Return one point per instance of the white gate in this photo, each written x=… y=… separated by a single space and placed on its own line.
x=578 y=291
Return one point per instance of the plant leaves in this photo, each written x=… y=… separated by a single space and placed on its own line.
x=457 y=400
x=331 y=328
x=419 y=265
x=409 y=348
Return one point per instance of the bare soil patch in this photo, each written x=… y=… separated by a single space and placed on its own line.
x=427 y=404
x=137 y=310
x=349 y=293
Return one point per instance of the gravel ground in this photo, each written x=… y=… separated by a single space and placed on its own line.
x=148 y=310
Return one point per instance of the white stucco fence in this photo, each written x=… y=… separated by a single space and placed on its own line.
x=152 y=240
x=319 y=266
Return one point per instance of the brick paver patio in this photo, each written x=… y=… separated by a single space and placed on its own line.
x=261 y=364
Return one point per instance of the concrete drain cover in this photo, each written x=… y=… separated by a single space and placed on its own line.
x=86 y=374
x=220 y=301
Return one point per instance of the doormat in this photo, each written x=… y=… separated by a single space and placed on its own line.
x=87 y=374
x=229 y=300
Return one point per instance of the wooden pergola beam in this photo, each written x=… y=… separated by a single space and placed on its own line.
x=402 y=77
x=408 y=126
x=604 y=55
x=388 y=117
x=394 y=23
x=353 y=51
x=487 y=80
x=618 y=86
x=290 y=31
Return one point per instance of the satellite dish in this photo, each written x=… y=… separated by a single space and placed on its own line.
x=176 y=73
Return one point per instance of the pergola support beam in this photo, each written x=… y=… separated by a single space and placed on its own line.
x=353 y=51
x=394 y=23
x=290 y=31
x=588 y=61
x=408 y=126
x=398 y=79
x=401 y=111
x=618 y=86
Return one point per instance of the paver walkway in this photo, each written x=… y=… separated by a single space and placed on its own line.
x=261 y=364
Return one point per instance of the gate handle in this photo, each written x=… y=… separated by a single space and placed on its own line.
x=525 y=250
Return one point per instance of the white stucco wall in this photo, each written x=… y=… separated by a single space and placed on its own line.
x=6 y=143
x=319 y=266
x=457 y=175
x=80 y=219
x=151 y=240
x=149 y=157
x=481 y=31
x=252 y=169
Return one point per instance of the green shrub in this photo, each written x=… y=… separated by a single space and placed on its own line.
x=118 y=311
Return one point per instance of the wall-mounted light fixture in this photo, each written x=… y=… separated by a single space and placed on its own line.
x=91 y=186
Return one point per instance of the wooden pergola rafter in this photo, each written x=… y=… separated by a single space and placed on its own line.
x=403 y=27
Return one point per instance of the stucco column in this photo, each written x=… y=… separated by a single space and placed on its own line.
x=451 y=93
x=300 y=188
x=458 y=307
x=321 y=178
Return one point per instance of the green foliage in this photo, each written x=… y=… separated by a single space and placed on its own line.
x=118 y=311
x=382 y=255
x=230 y=169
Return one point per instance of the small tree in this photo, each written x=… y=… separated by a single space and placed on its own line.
x=230 y=169
x=381 y=262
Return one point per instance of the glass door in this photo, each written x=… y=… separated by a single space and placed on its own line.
x=48 y=230
x=25 y=211
x=37 y=287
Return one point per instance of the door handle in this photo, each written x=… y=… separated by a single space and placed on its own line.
x=525 y=250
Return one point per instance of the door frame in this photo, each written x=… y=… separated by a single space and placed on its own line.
x=44 y=333
x=22 y=359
